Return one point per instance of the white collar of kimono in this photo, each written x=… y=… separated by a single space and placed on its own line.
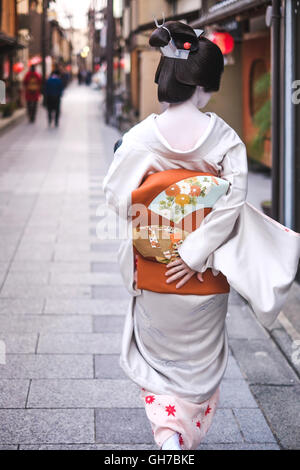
x=176 y=153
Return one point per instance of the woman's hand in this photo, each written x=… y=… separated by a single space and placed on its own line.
x=178 y=269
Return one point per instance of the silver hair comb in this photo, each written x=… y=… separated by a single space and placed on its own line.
x=170 y=50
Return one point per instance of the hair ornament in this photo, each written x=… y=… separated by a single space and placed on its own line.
x=170 y=50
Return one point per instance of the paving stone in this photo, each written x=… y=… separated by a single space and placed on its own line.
x=38 y=231
x=108 y=323
x=107 y=367
x=80 y=343
x=240 y=323
x=104 y=245
x=27 y=278
x=282 y=410
x=238 y=446
x=235 y=298
x=19 y=343
x=88 y=256
x=7 y=251
x=12 y=229
x=2 y=277
x=117 y=426
x=101 y=279
x=30 y=291
x=79 y=393
x=21 y=306
x=288 y=346
x=4 y=266
x=105 y=267
x=72 y=247
x=46 y=426
x=224 y=429
x=291 y=307
x=86 y=306
x=110 y=292
x=262 y=362
x=13 y=393
x=45 y=323
x=235 y=393
x=39 y=238
x=50 y=267
x=253 y=426
x=8 y=447
x=36 y=252
x=40 y=223
x=68 y=238
x=23 y=366
x=233 y=371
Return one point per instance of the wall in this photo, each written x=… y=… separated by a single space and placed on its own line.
x=184 y=6
x=8 y=17
x=148 y=89
x=227 y=102
x=146 y=9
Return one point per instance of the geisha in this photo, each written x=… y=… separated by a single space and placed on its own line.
x=198 y=237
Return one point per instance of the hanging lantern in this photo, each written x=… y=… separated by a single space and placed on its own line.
x=223 y=40
x=18 y=67
x=119 y=63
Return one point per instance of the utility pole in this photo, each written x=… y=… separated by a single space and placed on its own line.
x=44 y=39
x=276 y=107
x=110 y=61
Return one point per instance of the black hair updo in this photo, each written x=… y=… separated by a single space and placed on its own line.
x=177 y=79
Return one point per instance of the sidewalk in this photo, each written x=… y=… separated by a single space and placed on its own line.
x=62 y=307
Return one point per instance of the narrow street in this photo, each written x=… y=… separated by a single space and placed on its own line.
x=62 y=306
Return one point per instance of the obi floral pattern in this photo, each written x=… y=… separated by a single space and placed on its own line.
x=188 y=195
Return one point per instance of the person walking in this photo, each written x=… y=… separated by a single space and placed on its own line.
x=53 y=91
x=32 y=83
x=179 y=182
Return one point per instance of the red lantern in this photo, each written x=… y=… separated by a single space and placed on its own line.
x=18 y=67
x=119 y=63
x=223 y=40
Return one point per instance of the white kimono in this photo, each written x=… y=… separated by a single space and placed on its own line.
x=178 y=344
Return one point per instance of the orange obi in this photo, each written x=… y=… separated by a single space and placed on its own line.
x=166 y=207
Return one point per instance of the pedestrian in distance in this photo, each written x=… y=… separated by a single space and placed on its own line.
x=32 y=84
x=53 y=93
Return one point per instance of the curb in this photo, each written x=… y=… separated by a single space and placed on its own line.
x=11 y=121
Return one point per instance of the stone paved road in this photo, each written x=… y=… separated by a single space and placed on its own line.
x=62 y=304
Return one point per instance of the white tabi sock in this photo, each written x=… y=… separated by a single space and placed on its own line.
x=172 y=443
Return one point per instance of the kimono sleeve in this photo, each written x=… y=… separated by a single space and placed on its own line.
x=126 y=172
x=197 y=249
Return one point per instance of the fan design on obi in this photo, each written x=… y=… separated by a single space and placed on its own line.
x=174 y=203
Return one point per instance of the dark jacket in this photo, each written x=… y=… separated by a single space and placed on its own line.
x=54 y=86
